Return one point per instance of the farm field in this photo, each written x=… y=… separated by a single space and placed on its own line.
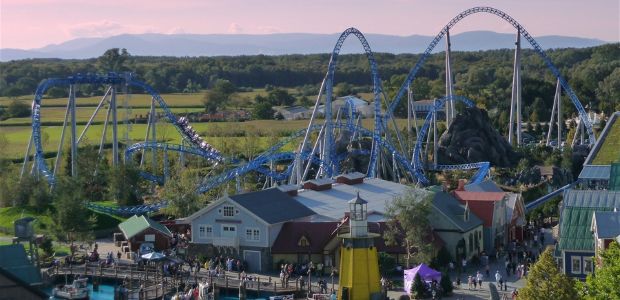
x=143 y=100
x=220 y=134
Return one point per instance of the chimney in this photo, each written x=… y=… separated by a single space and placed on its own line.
x=461 y=186
x=318 y=184
x=351 y=178
x=290 y=189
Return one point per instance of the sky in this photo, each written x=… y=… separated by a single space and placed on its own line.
x=28 y=24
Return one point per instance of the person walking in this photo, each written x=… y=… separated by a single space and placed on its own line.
x=479 y=277
x=498 y=279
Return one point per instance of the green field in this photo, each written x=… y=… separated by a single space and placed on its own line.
x=214 y=133
x=610 y=150
x=18 y=130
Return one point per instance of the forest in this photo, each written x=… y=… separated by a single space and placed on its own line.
x=484 y=76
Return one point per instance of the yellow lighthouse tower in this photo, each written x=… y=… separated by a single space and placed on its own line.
x=359 y=262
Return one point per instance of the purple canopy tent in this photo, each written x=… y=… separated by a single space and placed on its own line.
x=426 y=274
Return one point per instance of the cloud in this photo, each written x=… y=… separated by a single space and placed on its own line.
x=105 y=28
x=177 y=30
x=235 y=28
x=268 y=29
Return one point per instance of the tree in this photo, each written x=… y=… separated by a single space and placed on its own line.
x=124 y=185
x=72 y=220
x=263 y=111
x=545 y=281
x=446 y=284
x=112 y=60
x=418 y=289
x=191 y=87
x=18 y=109
x=304 y=101
x=343 y=89
x=180 y=192
x=409 y=226
x=387 y=263
x=280 y=97
x=605 y=282
x=218 y=96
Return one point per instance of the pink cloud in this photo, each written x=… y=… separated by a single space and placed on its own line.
x=104 y=28
x=235 y=28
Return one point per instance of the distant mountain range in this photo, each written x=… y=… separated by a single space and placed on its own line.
x=277 y=44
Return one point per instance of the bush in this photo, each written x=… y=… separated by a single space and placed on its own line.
x=47 y=247
x=18 y=109
x=387 y=263
x=446 y=284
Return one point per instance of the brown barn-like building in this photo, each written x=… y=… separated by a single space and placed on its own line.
x=140 y=229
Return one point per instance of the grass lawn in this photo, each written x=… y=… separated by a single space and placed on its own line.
x=610 y=150
x=44 y=220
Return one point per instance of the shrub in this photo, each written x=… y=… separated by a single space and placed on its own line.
x=446 y=284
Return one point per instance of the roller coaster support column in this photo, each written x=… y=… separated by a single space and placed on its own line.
x=435 y=134
x=26 y=158
x=449 y=108
x=558 y=96
x=62 y=139
x=556 y=110
x=73 y=131
x=114 y=128
x=515 y=101
x=166 y=167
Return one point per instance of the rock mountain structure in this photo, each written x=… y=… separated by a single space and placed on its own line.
x=472 y=138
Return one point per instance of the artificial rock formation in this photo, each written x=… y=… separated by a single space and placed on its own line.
x=472 y=138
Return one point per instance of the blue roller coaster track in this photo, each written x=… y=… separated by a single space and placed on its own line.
x=110 y=78
x=490 y=10
x=330 y=162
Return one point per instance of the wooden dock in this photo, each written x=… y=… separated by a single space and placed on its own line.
x=155 y=285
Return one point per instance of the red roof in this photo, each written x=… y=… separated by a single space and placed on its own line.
x=480 y=203
x=479 y=196
x=318 y=235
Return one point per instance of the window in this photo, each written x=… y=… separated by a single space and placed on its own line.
x=471 y=242
x=303 y=242
x=575 y=264
x=587 y=265
x=205 y=231
x=149 y=237
x=229 y=211
x=252 y=234
x=230 y=228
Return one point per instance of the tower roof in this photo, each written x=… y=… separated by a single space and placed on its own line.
x=358 y=199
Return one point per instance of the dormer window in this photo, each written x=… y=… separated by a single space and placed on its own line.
x=303 y=241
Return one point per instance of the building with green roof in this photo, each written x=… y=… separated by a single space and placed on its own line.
x=575 y=249
x=141 y=229
x=14 y=261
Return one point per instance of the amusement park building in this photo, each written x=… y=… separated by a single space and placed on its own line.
x=605 y=228
x=141 y=229
x=491 y=208
x=576 y=243
x=246 y=225
x=459 y=228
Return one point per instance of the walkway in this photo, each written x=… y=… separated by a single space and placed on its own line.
x=512 y=281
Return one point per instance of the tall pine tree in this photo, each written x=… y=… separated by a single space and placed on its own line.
x=545 y=281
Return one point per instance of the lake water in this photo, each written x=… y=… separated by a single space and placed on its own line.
x=106 y=291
